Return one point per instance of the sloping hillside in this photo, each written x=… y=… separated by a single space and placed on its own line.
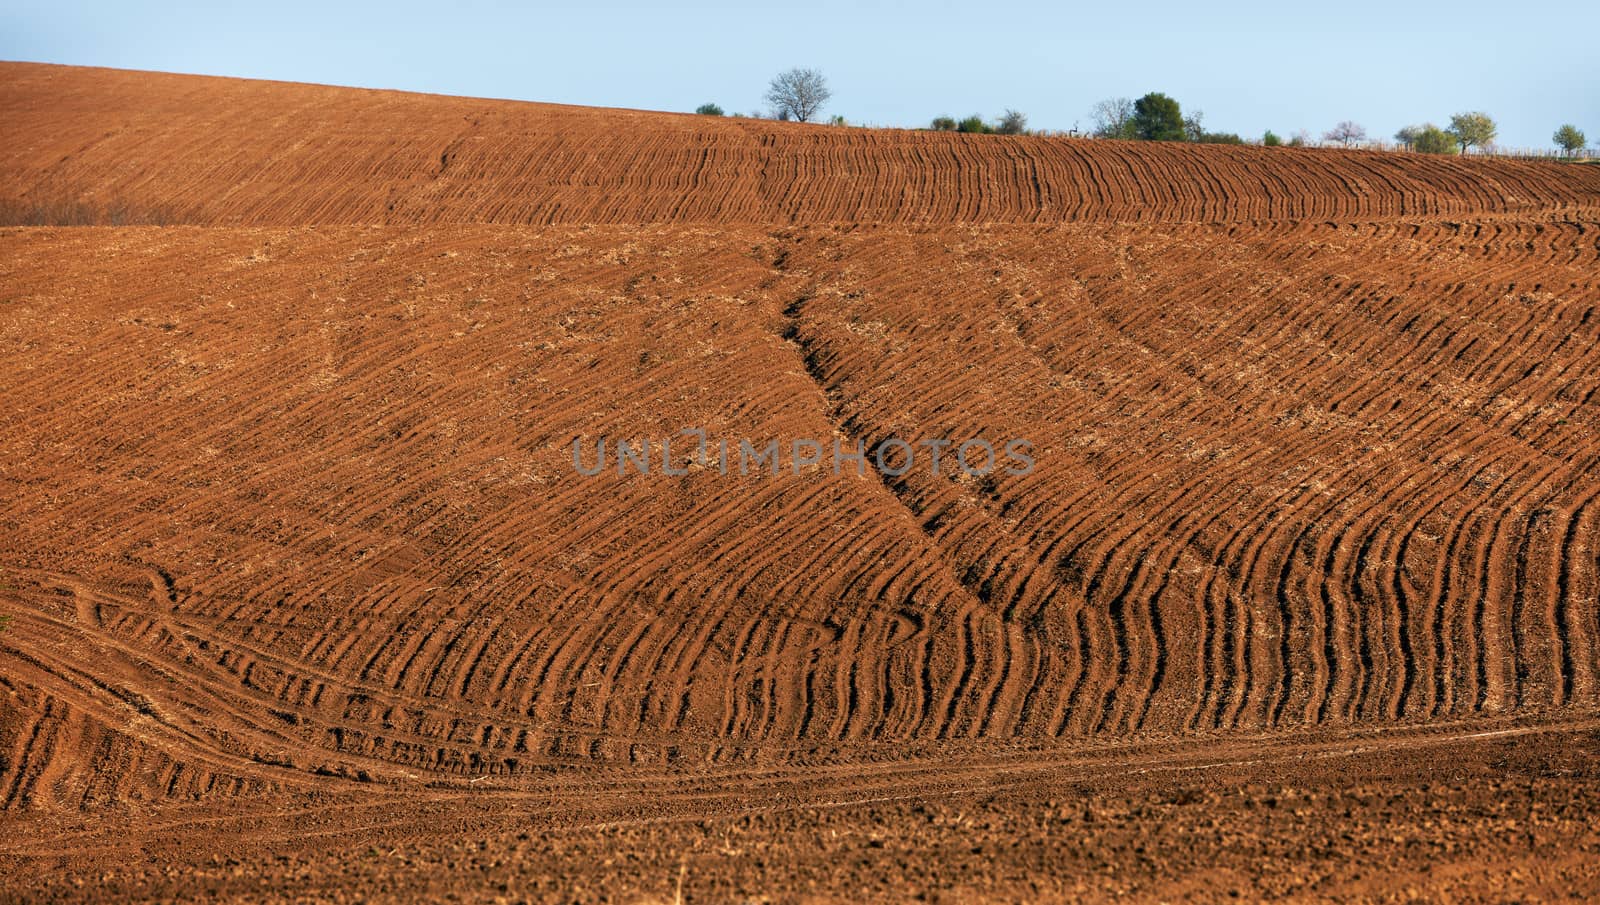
x=298 y=568
x=188 y=149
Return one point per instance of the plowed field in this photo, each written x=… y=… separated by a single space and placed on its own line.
x=306 y=597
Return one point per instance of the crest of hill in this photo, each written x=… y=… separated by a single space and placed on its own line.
x=157 y=147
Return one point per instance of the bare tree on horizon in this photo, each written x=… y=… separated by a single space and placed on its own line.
x=1346 y=133
x=1113 y=117
x=798 y=94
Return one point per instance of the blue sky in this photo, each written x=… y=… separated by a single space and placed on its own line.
x=1249 y=65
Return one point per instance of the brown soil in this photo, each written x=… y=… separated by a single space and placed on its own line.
x=212 y=151
x=305 y=600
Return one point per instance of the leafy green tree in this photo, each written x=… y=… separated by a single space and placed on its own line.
x=708 y=110
x=1271 y=139
x=1219 y=138
x=1407 y=136
x=1013 y=122
x=1431 y=139
x=1570 y=139
x=1157 y=117
x=944 y=124
x=1474 y=129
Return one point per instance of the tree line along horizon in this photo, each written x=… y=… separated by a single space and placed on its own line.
x=800 y=95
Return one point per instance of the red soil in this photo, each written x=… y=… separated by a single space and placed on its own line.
x=306 y=600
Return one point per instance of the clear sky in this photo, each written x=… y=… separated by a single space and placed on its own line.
x=1250 y=66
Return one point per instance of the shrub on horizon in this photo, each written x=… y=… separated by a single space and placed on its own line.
x=1013 y=122
x=975 y=125
x=708 y=110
